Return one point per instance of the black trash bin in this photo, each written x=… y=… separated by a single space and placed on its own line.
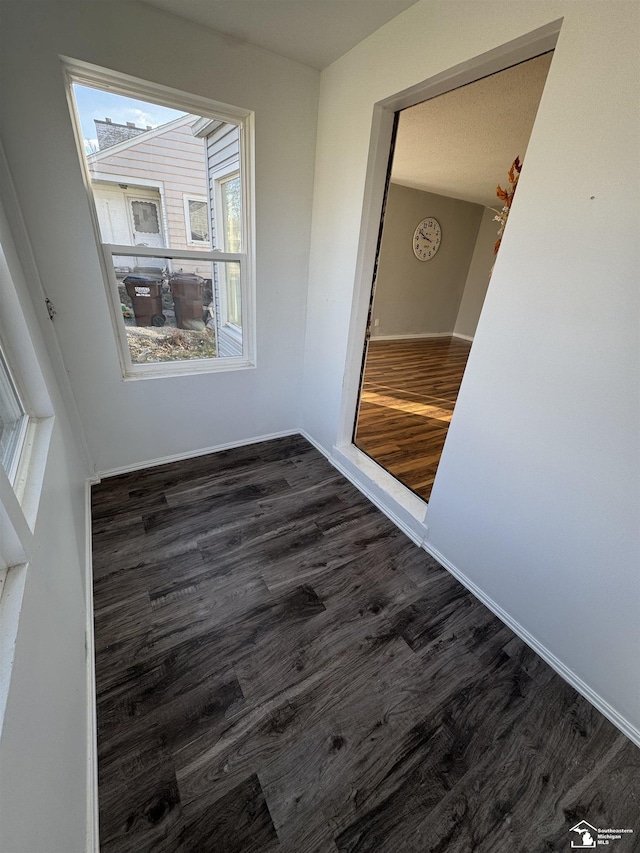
x=145 y=293
x=187 y=292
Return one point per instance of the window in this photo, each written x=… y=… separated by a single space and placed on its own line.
x=229 y=217
x=13 y=422
x=26 y=424
x=145 y=217
x=171 y=202
x=196 y=214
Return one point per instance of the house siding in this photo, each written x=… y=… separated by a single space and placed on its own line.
x=176 y=161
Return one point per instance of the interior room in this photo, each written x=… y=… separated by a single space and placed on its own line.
x=449 y=156
x=223 y=626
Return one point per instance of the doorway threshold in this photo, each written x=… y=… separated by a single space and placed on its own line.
x=398 y=502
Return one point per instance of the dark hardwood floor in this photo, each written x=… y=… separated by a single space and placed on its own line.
x=280 y=669
x=409 y=391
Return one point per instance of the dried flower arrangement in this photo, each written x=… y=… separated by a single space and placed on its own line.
x=506 y=196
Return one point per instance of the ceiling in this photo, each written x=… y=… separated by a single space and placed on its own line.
x=314 y=32
x=461 y=144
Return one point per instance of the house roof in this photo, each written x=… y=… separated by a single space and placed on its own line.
x=141 y=137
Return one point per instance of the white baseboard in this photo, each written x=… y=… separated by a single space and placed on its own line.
x=92 y=840
x=421 y=539
x=411 y=337
x=627 y=728
x=421 y=335
x=191 y=454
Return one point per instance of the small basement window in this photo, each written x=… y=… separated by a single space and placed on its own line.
x=176 y=241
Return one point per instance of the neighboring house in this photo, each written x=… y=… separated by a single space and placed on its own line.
x=171 y=186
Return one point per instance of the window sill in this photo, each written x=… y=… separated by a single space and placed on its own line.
x=33 y=460
x=165 y=370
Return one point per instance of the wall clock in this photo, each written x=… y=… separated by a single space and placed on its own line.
x=426 y=239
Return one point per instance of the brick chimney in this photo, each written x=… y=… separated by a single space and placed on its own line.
x=109 y=133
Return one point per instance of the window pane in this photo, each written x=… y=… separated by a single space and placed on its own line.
x=234 y=308
x=231 y=214
x=143 y=159
x=198 y=224
x=145 y=217
x=167 y=179
x=12 y=419
x=179 y=312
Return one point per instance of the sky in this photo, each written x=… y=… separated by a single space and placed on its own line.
x=96 y=103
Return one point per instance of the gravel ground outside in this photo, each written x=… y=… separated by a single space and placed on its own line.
x=148 y=344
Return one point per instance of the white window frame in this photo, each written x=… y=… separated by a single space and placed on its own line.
x=219 y=177
x=19 y=438
x=21 y=488
x=186 y=198
x=90 y=75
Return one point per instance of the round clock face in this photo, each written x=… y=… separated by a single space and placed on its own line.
x=426 y=239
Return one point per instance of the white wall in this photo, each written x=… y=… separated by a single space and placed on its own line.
x=536 y=499
x=43 y=747
x=128 y=423
x=478 y=277
x=416 y=297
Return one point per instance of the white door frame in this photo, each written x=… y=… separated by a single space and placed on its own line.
x=519 y=50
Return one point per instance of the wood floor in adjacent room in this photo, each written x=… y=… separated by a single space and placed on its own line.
x=280 y=669
x=408 y=394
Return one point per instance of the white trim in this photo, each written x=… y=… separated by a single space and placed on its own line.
x=382 y=128
x=525 y=47
x=555 y=663
x=88 y=74
x=92 y=841
x=33 y=462
x=19 y=438
x=16 y=537
x=21 y=252
x=421 y=335
x=192 y=454
x=412 y=336
x=185 y=367
x=172 y=254
x=205 y=127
